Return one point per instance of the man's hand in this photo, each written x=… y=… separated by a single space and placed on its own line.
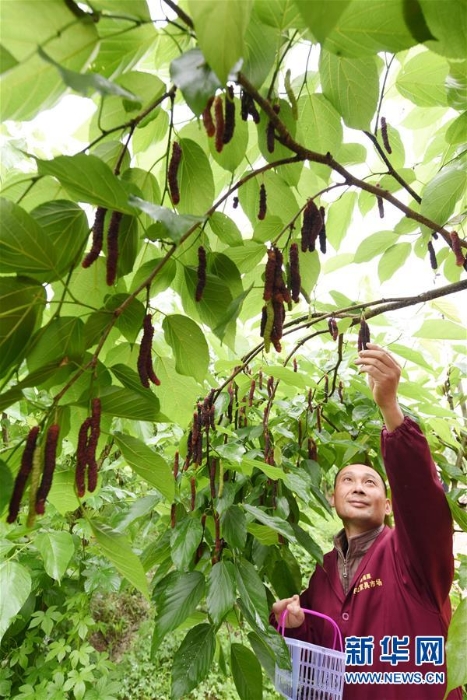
x=383 y=377
x=295 y=615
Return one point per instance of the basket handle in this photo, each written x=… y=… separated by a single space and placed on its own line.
x=337 y=632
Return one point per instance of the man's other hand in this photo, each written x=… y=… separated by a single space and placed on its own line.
x=295 y=615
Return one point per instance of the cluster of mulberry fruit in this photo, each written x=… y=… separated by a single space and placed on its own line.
x=88 y=438
x=312 y=227
x=98 y=241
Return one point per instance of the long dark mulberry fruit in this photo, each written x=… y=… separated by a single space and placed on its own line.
x=384 y=134
x=229 y=123
x=172 y=175
x=97 y=237
x=311 y=226
x=333 y=329
x=50 y=454
x=262 y=202
x=220 y=124
x=322 y=233
x=112 y=247
x=456 y=249
x=433 y=260
x=363 y=335
x=23 y=474
x=295 y=280
x=380 y=201
x=208 y=121
x=201 y=273
x=144 y=363
x=82 y=458
x=269 y=275
x=95 y=426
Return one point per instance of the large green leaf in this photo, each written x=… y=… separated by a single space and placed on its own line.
x=442 y=193
x=246 y=672
x=421 y=79
x=25 y=249
x=393 y=259
x=322 y=16
x=147 y=464
x=185 y=539
x=259 y=56
x=176 y=597
x=56 y=549
x=130 y=320
x=352 y=87
x=220 y=30
x=368 y=27
x=89 y=179
x=441 y=329
x=172 y=226
x=280 y=13
x=320 y=125
x=252 y=592
x=115 y=546
x=15 y=584
x=221 y=590
x=189 y=345
x=455 y=648
x=277 y=524
x=195 y=79
x=34 y=85
x=177 y=394
x=66 y=226
x=195 y=179
x=374 y=245
x=339 y=218
x=61 y=341
x=233 y=523
x=129 y=8
x=193 y=660
x=21 y=304
x=446 y=20
x=130 y=404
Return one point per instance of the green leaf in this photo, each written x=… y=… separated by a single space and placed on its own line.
x=177 y=394
x=339 y=218
x=221 y=590
x=115 y=546
x=455 y=648
x=193 y=660
x=25 y=248
x=88 y=83
x=15 y=584
x=264 y=534
x=246 y=672
x=393 y=259
x=415 y=21
x=66 y=226
x=280 y=13
x=130 y=320
x=185 y=539
x=125 y=403
x=147 y=464
x=446 y=21
x=308 y=544
x=173 y=225
x=259 y=50
x=61 y=341
x=189 y=345
x=33 y=85
x=220 y=30
x=233 y=523
x=130 y=8
x=56 y=549
x=421 y=80
x=225 y=229
x=270 y=649
x=252 y=592
x=457 y=130
x=321 y=16
x=195 y=179
x=21 y=305
x=352 y=87
x=441 y=330
x=88 y=179
x=442 y=193
x=162 y=279
x=176 y=597
x=277 y=524
x=373 y=245
x=320 y=124
x=368 y=27
x=195 y=79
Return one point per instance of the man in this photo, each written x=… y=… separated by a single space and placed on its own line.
x=388 y=589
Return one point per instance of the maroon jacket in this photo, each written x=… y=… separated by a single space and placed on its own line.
x=401 y=588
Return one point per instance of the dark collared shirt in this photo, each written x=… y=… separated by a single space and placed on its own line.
x=351 y=552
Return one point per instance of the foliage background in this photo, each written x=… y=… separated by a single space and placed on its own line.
x=209 y=547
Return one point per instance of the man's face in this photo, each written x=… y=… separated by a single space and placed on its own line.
x=359 y=498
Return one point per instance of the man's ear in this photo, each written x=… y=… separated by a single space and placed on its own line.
x=388 y=507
